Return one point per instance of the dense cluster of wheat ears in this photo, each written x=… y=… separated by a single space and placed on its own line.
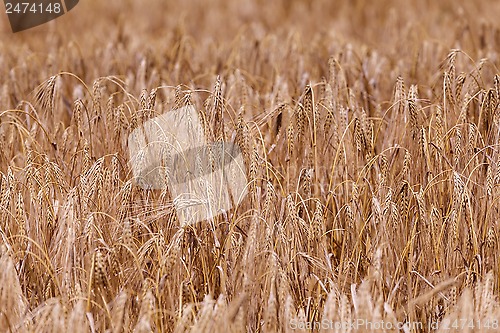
x=370 y=132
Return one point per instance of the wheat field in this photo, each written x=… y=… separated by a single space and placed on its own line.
x=370 y=132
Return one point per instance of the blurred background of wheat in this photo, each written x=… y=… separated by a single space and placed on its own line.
x=370 y=131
